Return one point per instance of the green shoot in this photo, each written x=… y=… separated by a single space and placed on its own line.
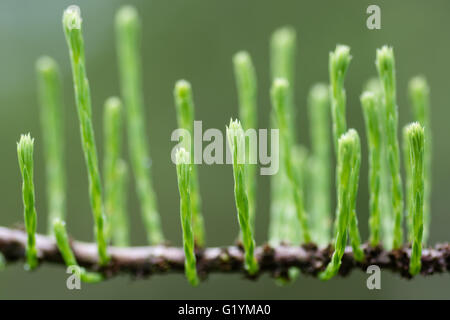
x=115 y=173
x=245 y=75
x=128 y=36
x=416 y=145
x=419 y=93
x=72 y=28
x=49 y=91
x=25 y=148
x=185 y=115
x=236 y=140
x=386 y=70
x=279 y=94
x=348 y=148
x=373 y=132
x=319 y=110
x=183 y=163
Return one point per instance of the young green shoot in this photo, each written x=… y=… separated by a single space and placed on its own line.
x=184 y=173
x=374 y=136
x=51 y=107
x=72 y=27
x=319 y=163
x=184 y=104
x=416 y=145
x=128 y=43
x=347 y=151
x=236 y=140
x=245 y=76
x=386 y=70
x=25 y=148
x=115 y=171
x=419 y=93
x=279 y=94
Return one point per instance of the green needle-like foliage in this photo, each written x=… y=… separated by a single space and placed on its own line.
x=373 y=133
x=236 y=140
x=25 y=148
x=72 y=28
x=419 y=93
x=62 y=241
x=319 y=165
x=184 y=174
x=348 y=148
x=245 y=75
x=128 y=43
x=184 y=104
x=114 y=173
x=386 y=70
x=409 y=196
x=51 y=105
x=279 y=94
x=416 y=145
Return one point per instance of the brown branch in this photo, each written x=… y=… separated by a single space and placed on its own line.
x=145 y=261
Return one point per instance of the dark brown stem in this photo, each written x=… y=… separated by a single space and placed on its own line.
x=145 y=261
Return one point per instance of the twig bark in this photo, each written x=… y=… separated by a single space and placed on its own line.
x=160 y=259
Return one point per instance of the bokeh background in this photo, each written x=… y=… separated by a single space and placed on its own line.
x=196 y=40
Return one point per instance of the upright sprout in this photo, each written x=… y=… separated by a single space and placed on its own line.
x=386 y=70
x=50 y=98
x=279 y=94
x=236 y=140
x=128 y=43
x=183 y=163
x=244 y=73
x=185 y=115
x=419 y=93
x=319 y=110
x=25 y=148
x=72 y=28
x=416 y=144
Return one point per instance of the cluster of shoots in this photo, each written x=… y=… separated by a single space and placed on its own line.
x=301 y=209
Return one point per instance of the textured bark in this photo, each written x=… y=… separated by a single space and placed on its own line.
x=145 y=261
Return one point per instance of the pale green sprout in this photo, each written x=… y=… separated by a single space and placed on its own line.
x=128 y=43
x=51 y=107
x=25 y=148
x=279 y=95
x=348 y=148
x=185 y=116
x=72 y=28
x=236 y=140
x=419 y=93
x=416 y=145
x=386 y=69
x=246 y=84
x=184 y=174
x=319 y=163
x=115 y=173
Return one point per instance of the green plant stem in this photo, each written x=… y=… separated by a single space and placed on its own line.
x=279 y=94
x=50 y=98
x=72 y=28
x=183 y=163
x=373 y=133
x=416 y=145
x=25 y=148
x=419 y=93
x=185 y=116
x=115 y=173
x=409 y=196
x=386 y=70
x=347 y=150
x=236 y=140
x=128 y=42
x=246 y=84
x=320 y=211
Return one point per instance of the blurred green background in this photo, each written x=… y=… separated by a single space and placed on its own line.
x=195 y=40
